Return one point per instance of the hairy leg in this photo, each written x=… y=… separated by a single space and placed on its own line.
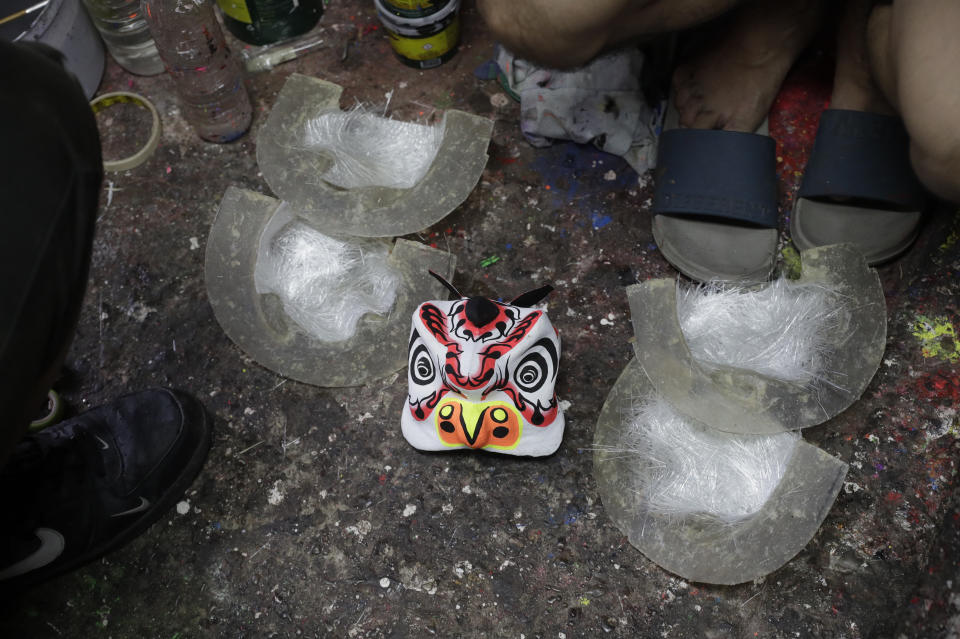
x=853 y=84
x=568 y=33
x=733 y=81
x=914 y=55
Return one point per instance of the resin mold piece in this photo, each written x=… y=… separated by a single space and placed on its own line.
x=721 y=547
x=740 y=400
x=294 y=168
x=481 y=375
x=258 y=324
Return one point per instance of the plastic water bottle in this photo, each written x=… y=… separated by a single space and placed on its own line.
x=268 y=21
x=208 y=78
x=125 y=32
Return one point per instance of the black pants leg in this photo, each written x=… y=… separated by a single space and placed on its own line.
x=50 y=176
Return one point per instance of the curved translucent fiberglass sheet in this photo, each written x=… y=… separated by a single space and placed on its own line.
x=258 y=323
x=757 y=520
x=757 y=400
x=306 y=171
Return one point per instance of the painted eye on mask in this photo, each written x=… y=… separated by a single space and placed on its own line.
x=424 y=379
x=422 y=369
x=537 y=367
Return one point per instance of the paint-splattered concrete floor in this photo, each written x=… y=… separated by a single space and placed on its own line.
x=313 y=517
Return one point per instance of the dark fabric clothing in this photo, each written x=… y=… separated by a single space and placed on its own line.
x=50 y=175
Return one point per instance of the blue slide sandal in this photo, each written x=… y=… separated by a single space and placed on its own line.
x=859 y=187
x=715 y=204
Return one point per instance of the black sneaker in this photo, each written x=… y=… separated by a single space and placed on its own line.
x=82 y=488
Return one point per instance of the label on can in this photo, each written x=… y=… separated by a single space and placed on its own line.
x=236 y=9
x=427 y=48
x=411 y=5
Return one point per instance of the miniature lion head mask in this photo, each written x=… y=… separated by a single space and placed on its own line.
x=481 y=375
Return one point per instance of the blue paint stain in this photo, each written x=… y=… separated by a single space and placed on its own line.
x=509 y=246
x=564 y=165
x=599 y=220
x=487 y=71
x=572 y=515
x=572 y=175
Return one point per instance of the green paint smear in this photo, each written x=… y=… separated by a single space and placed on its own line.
x=937 y=338
x=489 y=261
x=954 y=235
x=950 y=241
x=791 y=262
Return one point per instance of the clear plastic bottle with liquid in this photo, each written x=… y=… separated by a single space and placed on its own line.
x=125 y=32
x=208 y=78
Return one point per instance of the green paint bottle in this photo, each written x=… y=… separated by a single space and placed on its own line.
x=269 y=21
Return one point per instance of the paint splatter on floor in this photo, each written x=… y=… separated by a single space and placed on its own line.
x=938 y=338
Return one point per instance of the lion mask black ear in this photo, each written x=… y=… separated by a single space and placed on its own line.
x=532 y=297
x=524 y=300
x=450 y=287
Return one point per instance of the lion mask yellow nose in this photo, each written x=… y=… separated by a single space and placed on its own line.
x=478 y=425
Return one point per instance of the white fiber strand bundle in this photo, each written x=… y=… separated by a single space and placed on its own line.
x=684 y=469
x=370 y=150
x=326 y=284
x=781 y=330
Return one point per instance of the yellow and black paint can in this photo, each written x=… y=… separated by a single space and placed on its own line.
x=423 y=33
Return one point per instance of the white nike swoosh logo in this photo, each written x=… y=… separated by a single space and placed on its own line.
x=144 y=504
x=51 y=547
x=104 y=445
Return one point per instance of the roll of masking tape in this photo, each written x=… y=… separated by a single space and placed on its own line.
x=122 y=97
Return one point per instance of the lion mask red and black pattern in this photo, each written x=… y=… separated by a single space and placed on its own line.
x=481 y=375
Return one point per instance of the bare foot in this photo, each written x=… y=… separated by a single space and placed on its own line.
x=853 y=84
x=732 y=83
